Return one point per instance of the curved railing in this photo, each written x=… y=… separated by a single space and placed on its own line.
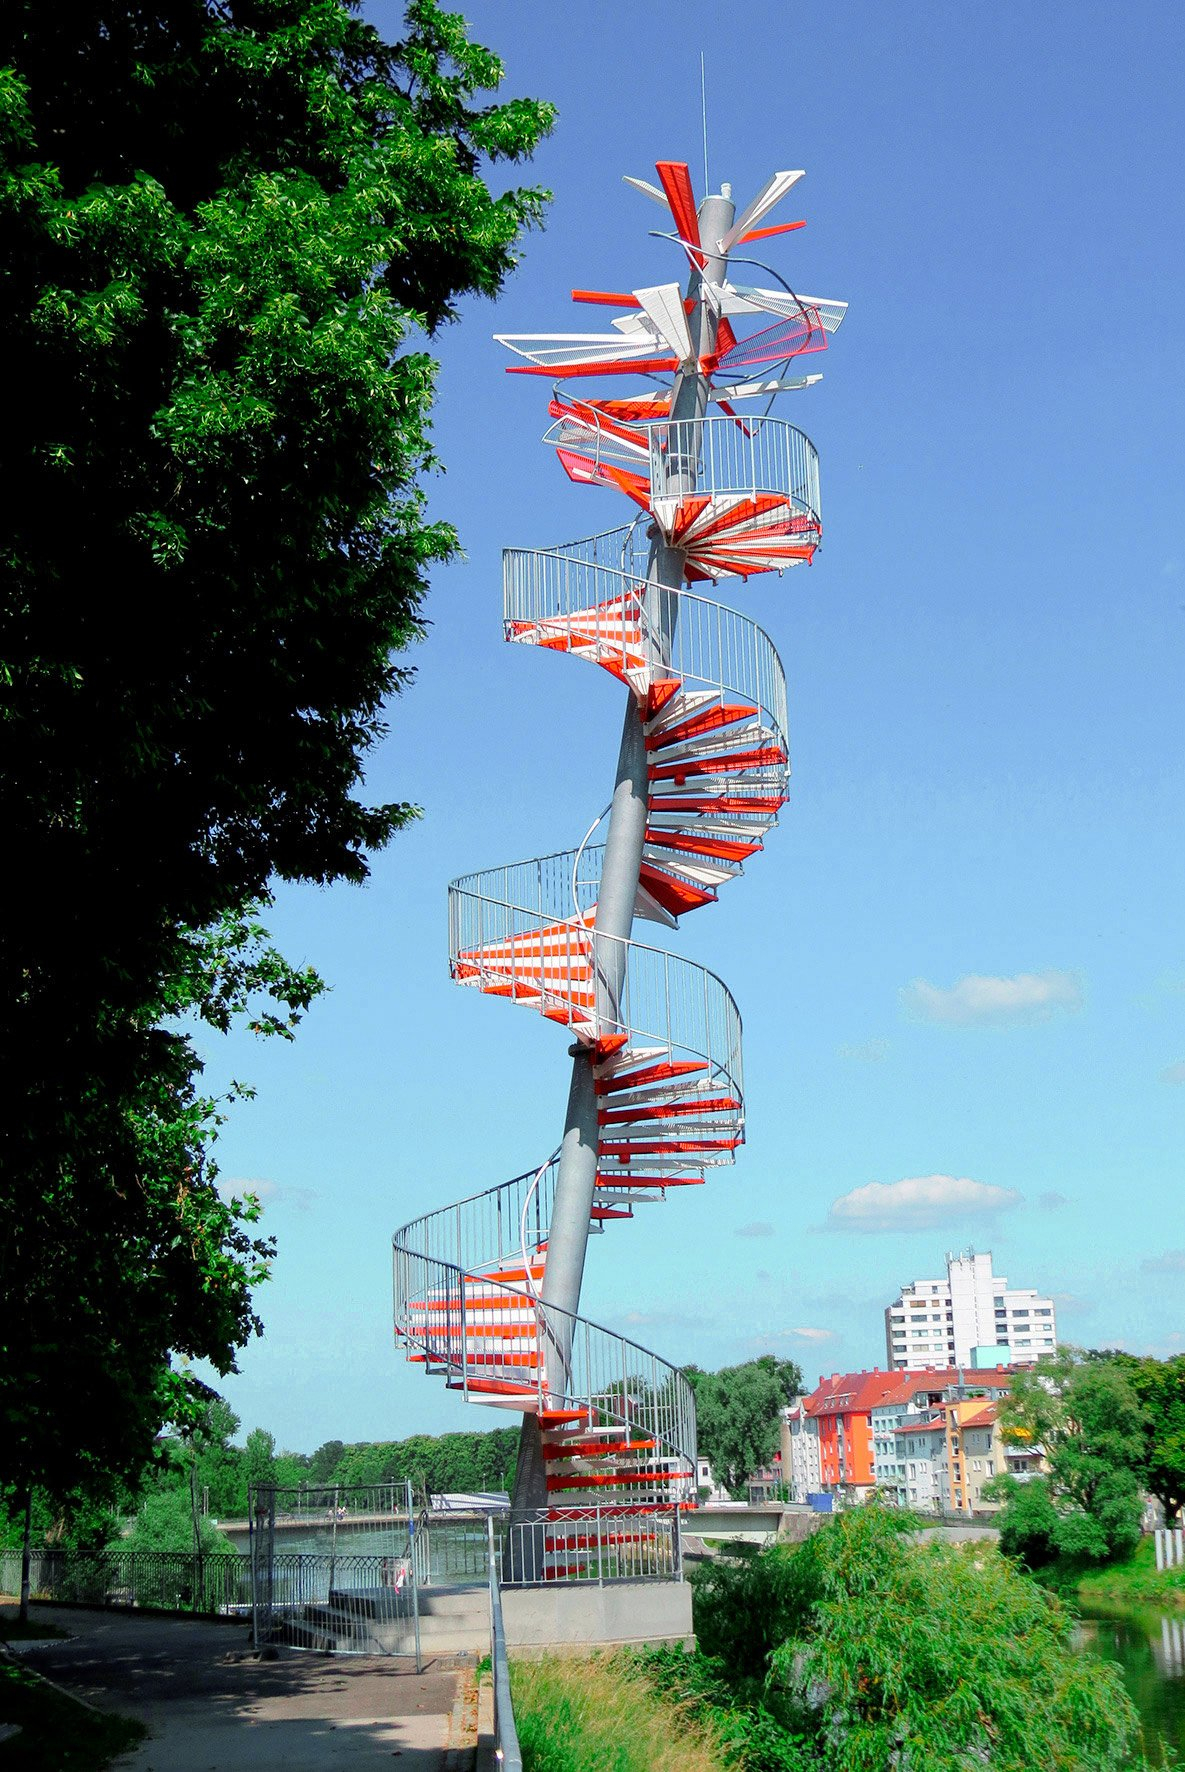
x=731 y=457
x=714 y=647
x=722 y=457
x=575 y=1365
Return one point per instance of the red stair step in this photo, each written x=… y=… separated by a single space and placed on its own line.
x=721 y=803
x=706 y=720
x=649 y=1181
x=676 y=896
x=651 y=1073
x=640 y=1478
x=652 y=1147
x=723 y=763
x=667 y=1110
x=660 y=693
x=594 y=1448
x=725 y=848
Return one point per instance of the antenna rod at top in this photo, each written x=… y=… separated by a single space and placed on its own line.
x=703 y=94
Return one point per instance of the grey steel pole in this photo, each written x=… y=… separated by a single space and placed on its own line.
x=624 y=842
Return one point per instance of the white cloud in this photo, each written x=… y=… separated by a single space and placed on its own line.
x=979 y=1001
x=1070 y=1304
x=662 y=1320
x=810 y=1334
x=918 y=1203
x=1051 y=1200
x=1171 y=1262
x=870 y=1052
x=759 y=1228
x=1174 y=1073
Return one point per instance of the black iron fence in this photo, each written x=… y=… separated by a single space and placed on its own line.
x=170 y=1581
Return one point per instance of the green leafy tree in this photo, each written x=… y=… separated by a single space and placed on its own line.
x=1086 y=1415
x=940 y=1657
x=1160 y=1386
x=228 y=229
x=218 y=1479
x=164 y=1522
x=737 y=1415
x=1029 y=1523
x=258 y=1464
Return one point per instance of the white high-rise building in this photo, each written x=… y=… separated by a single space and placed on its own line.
x=970 y=1318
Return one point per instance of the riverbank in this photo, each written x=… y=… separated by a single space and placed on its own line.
x=1134 y=1582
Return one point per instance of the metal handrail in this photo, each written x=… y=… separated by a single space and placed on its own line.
x=713 y=647
x=615 y=1379
x=665 y=997
x=506 y=1746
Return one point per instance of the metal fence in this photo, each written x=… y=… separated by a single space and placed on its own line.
x=356 y=1601
x=218 y=1583
x=591 y=1546
x=362 y=1599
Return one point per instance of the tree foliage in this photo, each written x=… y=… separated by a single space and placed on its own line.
x=1160 y=1387
x=737 y=1415
x=940 y=1657
x=873 y=1651
x=1086 y=1415
x=228 y=228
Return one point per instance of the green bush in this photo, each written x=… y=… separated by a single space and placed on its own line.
x=935 y=1658
x=745 y=1607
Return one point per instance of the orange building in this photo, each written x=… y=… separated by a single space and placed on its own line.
x=842 y=1408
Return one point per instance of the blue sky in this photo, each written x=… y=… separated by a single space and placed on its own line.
x=961 y=953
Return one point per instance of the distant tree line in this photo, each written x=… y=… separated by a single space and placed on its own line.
x=203 y=1478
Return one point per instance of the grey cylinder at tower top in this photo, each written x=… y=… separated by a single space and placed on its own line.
x=625 y=838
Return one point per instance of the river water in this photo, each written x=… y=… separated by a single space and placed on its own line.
x=1149 y=1647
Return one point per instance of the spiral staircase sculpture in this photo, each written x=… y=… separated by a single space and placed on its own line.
x=487 y=1290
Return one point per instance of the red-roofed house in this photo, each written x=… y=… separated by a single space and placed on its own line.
x=846 y=1434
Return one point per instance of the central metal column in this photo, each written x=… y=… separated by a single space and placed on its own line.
x=620 y=871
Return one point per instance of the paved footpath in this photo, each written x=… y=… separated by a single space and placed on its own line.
x=212 y=1707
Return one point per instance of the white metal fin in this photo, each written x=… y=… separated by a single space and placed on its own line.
x=740 y=298
x=663 y=306
x=755 y=390
x=701 y=872
x=647 y=189
x=765 y=200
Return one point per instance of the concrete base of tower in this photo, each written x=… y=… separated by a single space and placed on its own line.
x=566 y=1618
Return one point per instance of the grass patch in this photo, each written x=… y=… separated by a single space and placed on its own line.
x=57 y=1733
x=1135 y=1581
x=602 y=1715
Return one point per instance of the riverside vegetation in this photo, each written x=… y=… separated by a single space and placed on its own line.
x=859 y=1651
x=1112 y=1427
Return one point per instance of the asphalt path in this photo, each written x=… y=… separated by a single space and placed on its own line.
x=212 y=1706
